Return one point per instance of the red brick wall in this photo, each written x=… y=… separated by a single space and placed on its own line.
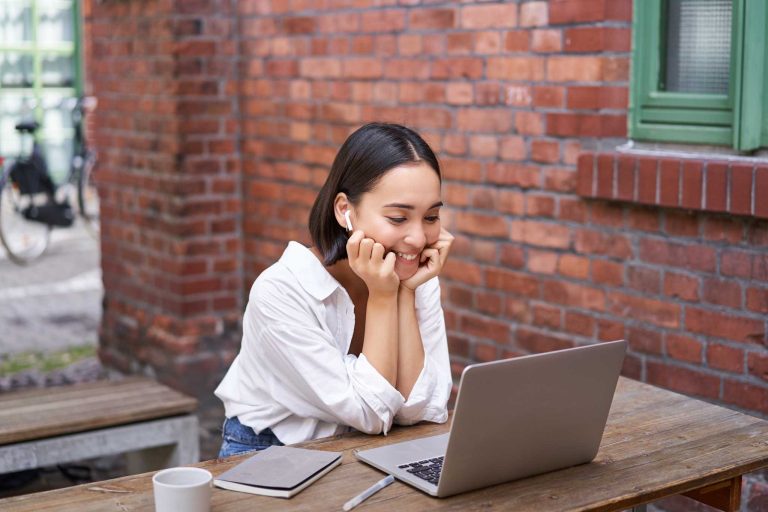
x=165 y=74
x=511 y=95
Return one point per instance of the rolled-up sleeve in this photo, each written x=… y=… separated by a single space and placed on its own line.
x=307 y=374
x=428 y=400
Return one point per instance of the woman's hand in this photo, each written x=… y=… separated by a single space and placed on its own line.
x=432 y=260
x=367 y=260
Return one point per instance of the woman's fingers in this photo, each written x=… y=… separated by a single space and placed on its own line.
x=353 y=245
x=366 y=246
x=377 y=253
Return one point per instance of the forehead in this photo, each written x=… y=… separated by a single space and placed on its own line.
x=416 y=184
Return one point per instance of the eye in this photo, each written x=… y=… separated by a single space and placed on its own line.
x=396 y=220
x=432 y=218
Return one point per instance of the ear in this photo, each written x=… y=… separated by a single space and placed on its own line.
x=340 y=205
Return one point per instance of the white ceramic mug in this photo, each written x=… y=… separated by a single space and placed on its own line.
x=187 y=489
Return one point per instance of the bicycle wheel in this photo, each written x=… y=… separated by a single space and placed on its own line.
x=87 y=195
x=23 y=239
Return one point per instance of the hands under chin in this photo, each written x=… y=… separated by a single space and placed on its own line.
x=432 y=260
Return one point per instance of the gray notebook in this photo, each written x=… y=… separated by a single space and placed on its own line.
x=279 y=471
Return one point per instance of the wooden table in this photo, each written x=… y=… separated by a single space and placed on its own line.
x=656 y=444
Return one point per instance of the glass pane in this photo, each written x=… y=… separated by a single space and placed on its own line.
x=56 y=22
x=13 y=108
x=57 y=71
x=57 y=134
x=16 y=70
x=15 y=21
x=698 y=46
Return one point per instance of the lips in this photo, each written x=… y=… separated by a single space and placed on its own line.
x=407 y=259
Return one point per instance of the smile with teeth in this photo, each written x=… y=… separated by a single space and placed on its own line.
x=407 y=257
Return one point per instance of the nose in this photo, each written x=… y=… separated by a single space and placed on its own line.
x=416 y=236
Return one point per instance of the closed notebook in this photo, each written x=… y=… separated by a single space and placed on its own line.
x=279 y=471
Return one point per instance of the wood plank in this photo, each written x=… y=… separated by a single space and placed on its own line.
x=29 y=415
x=697 y=445
x=725 y=496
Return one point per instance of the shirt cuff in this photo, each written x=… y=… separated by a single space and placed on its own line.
x=426 y=401
x=375 y=390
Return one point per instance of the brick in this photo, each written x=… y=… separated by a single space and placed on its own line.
x=568 y=124
x=646 y=181
x=524 y=176
x=487 y=120
x=489 y=303
x=574 y=295
x=757 y=299
x=595 y=242
x=489 y=16
x=683 y=348
x=512 y=256
x=625 y=178
x=607 y=272
x=722 y=293
x=481 y=225
x=728 y=326
x=460 y=67
x=716 y=186
x=487 y=42
x=385 y=20
x=579 y=323
x=644 y=219
x=483 y=327
x=605 y=176
x=463 y=271
x=539 y=205
x=487 y=94
x=741 y=189
x=529 y=123
x=681 y=286
x=729 y=229
x=546 y=316
x=681 y=224
x=483 y=146
x=517 y=41
x=597 y=97
x=545 y=151
x=574 y=69
x=761 y=192
x=748 y=396
x=573 y=266
x=723 y=357
x=609 y=330
x=432 y=19
x=693 y=179
x=696 y=257
x=644 y=279
x=546 y=40
x=738 y=263
x=562 y=179
x=542 y=234
x=515 y=283
x=669 y=182
x=515 y=68
x=644 y=341
x=535 y=342
x=757 y=364
x=548 y=96
x=517 y=95
x=534 y=14
x=512 y=148
x=576 y=11
x=663 y=314
x=362 y=68
x=683 y=380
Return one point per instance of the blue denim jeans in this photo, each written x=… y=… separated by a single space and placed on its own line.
x=238 y=438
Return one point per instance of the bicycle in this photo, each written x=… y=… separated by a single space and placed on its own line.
x=31 y=204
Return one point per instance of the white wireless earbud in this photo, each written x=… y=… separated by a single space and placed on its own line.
x=349 y=222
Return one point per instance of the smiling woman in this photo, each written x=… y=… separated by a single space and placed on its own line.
x=350 y=332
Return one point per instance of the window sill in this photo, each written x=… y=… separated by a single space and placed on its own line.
x=714 y=183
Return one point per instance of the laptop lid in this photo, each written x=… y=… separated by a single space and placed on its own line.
x=516 y=418
x=529 y=415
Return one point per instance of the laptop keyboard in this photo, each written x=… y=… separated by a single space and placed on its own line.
x=427 y=469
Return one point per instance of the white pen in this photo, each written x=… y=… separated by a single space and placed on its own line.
x=368 y=493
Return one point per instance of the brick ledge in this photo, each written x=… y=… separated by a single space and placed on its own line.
x=739 y=188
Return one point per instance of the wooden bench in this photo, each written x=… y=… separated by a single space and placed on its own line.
x=152 y=423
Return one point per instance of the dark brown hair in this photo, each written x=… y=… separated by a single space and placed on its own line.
x=369 y=153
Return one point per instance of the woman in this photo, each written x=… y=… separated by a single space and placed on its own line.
x=350 y=332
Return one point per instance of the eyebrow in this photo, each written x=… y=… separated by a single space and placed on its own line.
x=411 y=207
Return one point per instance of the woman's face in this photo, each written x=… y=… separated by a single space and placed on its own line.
x=402 y=212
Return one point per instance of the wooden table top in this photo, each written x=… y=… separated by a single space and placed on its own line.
x=656 y=443
x=38 y=413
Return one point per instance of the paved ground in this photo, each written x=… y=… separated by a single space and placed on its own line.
x=55 y=302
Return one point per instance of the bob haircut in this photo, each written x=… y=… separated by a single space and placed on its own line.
x=367 y=155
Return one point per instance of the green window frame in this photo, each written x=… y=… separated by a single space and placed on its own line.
x=40 y=66
x=735 y=119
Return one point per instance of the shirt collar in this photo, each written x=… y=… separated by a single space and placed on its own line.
x=309 y=271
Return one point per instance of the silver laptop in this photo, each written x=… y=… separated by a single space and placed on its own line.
x=513 y=418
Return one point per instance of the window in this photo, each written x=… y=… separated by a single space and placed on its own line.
x=39 y=68
x=699 y=72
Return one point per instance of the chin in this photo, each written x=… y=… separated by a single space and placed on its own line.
x=405 y=274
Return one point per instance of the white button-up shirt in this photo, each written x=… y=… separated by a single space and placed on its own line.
x=294 y=374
